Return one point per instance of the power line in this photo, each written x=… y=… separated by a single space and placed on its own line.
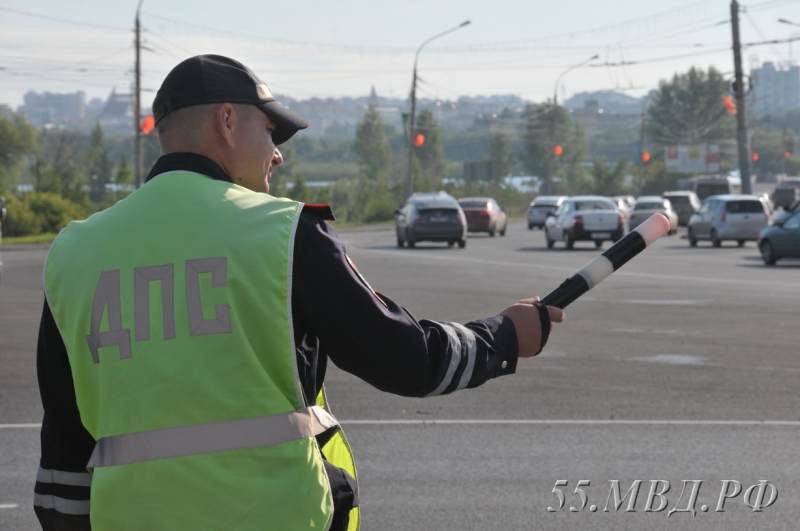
x=62 y=20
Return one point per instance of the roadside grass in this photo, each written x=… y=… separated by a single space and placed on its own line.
x=36 y=238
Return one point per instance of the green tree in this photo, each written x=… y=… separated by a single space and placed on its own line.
x=98 y=165
x=124 y=173
x=371 y=145
x=501 y=154
x=607 y=180
x=17 y=139
x=547 y=126
x=689 y=109
x=299 y=191
x=433 y=165
x=286 y=172
x=656 y=178
x=60 y=166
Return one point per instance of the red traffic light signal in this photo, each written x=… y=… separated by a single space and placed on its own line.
x=645 y=156
x=558 y=150
x=787 y=154
x=148 y=124
x=755 y=157
x=729 y=104
x=419 y=139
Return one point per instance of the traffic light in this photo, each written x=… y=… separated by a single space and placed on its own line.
x=419 y=139
x=645 y=156
x=558 y=150
x=755 y=156
x=148 y=124
x=787 y=154
x=729 y=104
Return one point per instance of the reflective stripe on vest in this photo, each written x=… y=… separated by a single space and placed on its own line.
x=211 y=437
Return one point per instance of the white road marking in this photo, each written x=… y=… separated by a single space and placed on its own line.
x=673 y=359
x=601 y=422
x=732 y=281
x=577 y=422
x=8 y=505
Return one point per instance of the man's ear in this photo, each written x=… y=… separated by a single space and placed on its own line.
x=225 y=122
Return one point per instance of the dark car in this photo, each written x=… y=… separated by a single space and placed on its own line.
x=786 y=213
x=684 y=203
x=484 y=215
x=781 y=240
x=434 y=217
x=786 y=193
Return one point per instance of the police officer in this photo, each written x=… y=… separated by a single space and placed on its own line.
x=186 y=331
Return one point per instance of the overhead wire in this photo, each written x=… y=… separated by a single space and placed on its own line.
x=63 y=20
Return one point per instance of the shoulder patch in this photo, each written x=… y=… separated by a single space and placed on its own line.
x=321 y=211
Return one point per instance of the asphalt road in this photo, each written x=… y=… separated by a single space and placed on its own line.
x=682 y=367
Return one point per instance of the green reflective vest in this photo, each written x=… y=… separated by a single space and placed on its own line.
x=175 y=308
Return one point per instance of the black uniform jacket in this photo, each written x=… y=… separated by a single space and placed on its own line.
x=336 y=316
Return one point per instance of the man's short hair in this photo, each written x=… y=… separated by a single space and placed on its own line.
x=189 y=120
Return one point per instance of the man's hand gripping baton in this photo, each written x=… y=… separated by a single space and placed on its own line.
x=612 y=259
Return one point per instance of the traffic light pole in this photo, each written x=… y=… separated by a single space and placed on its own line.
x=137 y=112
x=741 y=116
x=411 y=131
x=551 y=126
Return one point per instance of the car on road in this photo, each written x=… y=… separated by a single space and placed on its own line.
x=780 y=240
x=624 y=204
x=786 y=213
x=484 y=215
x=648 y=205
x=586 y=217
x=541 y=207
x=787 y=192
x=432 y=217
x=728 y=217
x=2 y=217
x=684 y=202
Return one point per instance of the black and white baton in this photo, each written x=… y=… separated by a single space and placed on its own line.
x=612 y=259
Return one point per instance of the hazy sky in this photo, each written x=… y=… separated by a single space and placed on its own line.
x=306 y=48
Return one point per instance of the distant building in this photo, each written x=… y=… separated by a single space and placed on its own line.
x=49 y=108
x=776 y=89
x=610 y=101
x=94 y=108
x=117 y=113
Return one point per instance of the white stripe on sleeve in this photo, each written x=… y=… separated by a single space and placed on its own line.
x=472 y=348
x=455 y=359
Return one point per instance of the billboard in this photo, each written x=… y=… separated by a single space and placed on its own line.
x=692 y=159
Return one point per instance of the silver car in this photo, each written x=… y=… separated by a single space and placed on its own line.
x=648 y=205
x=728 y=217
x=541 y=207
x=585 y=217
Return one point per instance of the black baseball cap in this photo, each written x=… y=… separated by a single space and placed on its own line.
x=216 y=79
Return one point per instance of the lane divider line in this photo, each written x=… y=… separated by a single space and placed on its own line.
x=564 y=422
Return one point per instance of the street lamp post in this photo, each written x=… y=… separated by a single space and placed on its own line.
x=792 y=36
x=552 y=124
x=414 y=106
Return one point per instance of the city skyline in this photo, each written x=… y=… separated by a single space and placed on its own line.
x=337 y=49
